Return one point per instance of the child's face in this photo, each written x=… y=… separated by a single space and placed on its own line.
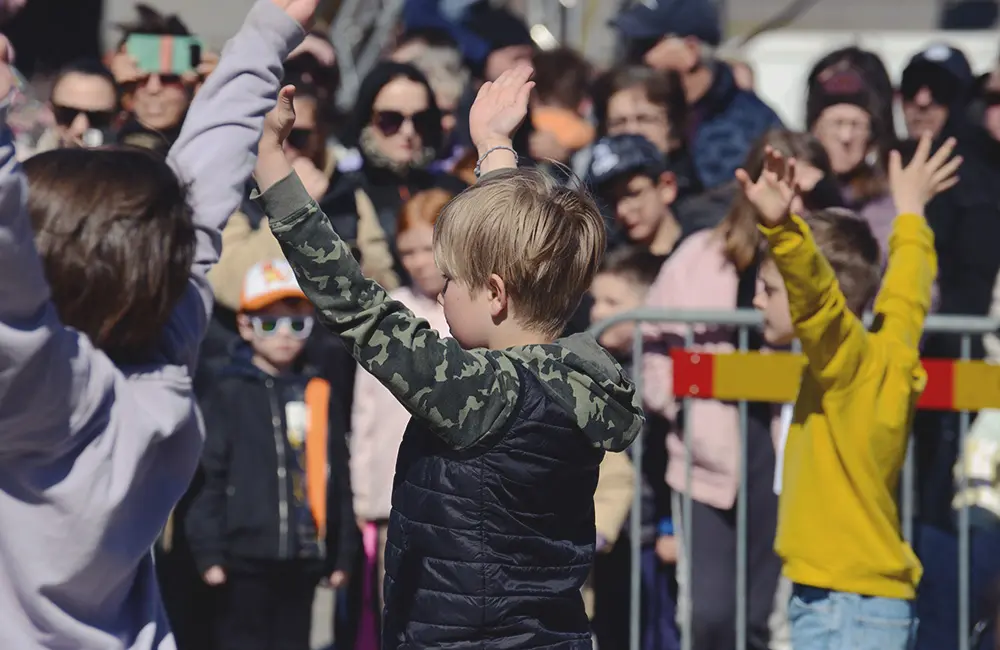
x=641 y=204
x=416 y=252
x=614 y=294
x=277 y=333
x=772 y=301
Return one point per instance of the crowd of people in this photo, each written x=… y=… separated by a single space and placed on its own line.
x=295 y=488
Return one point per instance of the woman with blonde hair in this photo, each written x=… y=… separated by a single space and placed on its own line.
x=716 y=269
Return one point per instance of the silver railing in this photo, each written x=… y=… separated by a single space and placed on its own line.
x=966 y=327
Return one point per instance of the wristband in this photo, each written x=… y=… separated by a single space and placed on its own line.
x=479 y=163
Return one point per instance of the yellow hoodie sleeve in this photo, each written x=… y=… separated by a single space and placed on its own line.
x=832 y=337
x=905 y=296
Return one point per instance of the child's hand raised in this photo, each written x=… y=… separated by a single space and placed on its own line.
x=500 y=107
x=301 y=11
x=916 y=184
x=279 y=122
x=774 y=191
x=272 y=165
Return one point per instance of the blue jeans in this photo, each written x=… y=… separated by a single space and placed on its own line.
x=831 y=620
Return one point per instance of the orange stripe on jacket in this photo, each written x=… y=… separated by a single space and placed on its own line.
x=317 y=459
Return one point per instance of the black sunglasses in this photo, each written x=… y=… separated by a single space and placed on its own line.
x=65 y=115
x=390 y=122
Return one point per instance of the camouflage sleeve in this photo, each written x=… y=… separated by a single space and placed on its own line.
x=462 y=395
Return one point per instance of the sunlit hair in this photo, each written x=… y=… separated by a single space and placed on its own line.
x=848 y=244
x=544 y=240
x=422 y=209
x=739 y=228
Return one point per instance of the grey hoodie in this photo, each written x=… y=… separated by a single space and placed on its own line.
x=93 y=457
x=462 y=395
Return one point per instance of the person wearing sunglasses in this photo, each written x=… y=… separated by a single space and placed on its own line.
x=397 y=133
x=935 y=82
x=275 y=514
x=84 y=106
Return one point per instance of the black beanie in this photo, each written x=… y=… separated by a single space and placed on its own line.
x=839 y=85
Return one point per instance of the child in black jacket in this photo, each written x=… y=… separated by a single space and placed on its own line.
x=274 y=516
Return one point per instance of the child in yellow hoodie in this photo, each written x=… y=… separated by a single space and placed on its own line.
x=838 y=526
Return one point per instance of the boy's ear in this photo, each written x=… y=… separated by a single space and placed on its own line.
x=497 y=292
x=666 y=185
x=244 y=326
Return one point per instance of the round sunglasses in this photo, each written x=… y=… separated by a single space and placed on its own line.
x=267 y=326
x=390 y=122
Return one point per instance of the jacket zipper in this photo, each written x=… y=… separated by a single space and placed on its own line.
x=279 y=447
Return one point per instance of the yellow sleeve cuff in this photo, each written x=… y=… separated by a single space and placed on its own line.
x=787 y=235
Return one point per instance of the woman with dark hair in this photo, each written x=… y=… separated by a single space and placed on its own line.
x=396 y=132
x=849 y=109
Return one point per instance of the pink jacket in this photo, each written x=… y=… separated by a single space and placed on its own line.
x=697 y=276
x=377 y=424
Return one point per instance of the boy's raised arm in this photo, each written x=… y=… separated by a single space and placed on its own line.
x=214 y=153
x=829 y=332
x=48 y=373
x=905 y=298
x=463 y=395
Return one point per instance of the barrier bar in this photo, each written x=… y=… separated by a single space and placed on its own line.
x=733 y=376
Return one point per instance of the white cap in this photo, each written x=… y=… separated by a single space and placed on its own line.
x=267 y=283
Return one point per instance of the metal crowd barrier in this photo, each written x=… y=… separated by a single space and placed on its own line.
x=962 y=386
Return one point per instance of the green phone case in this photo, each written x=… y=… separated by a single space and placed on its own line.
x=164 y=54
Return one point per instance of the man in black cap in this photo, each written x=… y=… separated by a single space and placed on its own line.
x=725 y=120
x=935 y=82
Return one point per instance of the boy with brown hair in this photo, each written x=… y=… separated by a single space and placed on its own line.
x=839 y=537
x=103 y=307
x=491 y=535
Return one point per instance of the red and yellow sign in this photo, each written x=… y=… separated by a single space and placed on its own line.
x=775 y=377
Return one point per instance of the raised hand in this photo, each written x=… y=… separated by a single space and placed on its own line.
x=500 y=107
x=272 y=165
x=916 y=184
x=279 y=122
x=773 y=192
x=301 y=11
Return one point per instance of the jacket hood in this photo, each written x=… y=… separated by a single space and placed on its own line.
x=586 y=381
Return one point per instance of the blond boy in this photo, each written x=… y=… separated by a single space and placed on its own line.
x=839 y=538
x=491 y=535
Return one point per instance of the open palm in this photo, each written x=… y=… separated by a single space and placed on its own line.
x=301 y=11
x=773 y=192
x=500 y=107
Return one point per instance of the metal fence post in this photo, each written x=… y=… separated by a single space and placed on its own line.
x=635 y=523
x=964 y=564
x=741 y=515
